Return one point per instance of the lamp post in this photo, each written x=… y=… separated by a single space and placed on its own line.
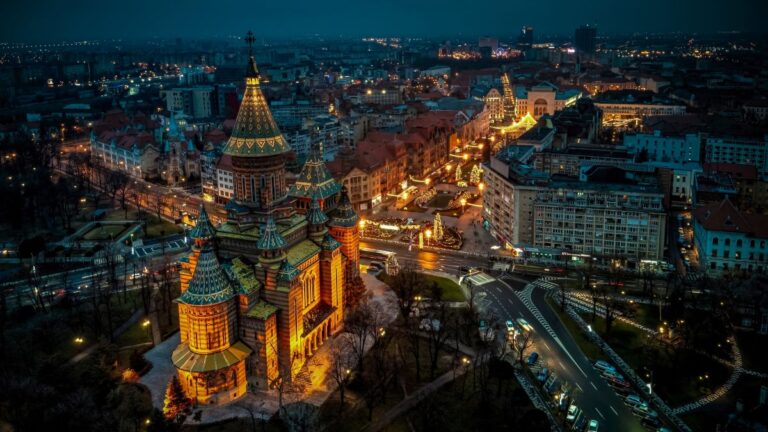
x=429 y=236
x=463 y=204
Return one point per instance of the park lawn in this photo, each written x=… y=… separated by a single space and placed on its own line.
x=746 y=389
x=457 y=406
x=413 y=208
x=647 y=315
x=160 y=228
x=694 y=377
x=105 y=232
x=753 y=350
x=589 y=349
x=451 y=291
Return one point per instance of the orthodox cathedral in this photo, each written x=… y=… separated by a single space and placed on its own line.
x=261 y=292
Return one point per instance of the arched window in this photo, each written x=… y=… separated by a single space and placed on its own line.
x=738 y=243
x=714 y=241
x=727 y=242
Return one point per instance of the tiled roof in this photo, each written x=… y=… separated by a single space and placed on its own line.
x=315 y=215
x=287 y=272
x=209 y=284
x=270 y=239
x=203 y=228
x=344 y=215
x=262 y=310
x=255 y=132
x=302 y=251
x=185 y=359
x=724 y=216
x=330 y=243
x=315 y=178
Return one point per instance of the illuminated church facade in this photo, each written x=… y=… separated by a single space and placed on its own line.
x=261 y=292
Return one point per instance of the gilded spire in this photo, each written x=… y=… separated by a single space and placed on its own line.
x=255 y=132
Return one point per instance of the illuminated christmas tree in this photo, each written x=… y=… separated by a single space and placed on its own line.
x=474 y=177
x=459 y=174
x=438 y=227
x=176 y=402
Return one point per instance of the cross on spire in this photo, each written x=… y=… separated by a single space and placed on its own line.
x=249 y=39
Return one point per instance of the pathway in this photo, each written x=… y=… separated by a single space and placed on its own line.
x=115 y=334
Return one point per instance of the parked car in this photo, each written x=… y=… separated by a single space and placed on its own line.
x=593 y=425
x=653 y=422
x=573 y=412
x=532 y=358
x=617 y=382
x=563 y=402
x=633 y=400
x=553 y=386
x=487 y=334
x=644 y=410
x=603 y=365
x=430 y=325
x=542 y=375
x=611 y=373
x=580 y=423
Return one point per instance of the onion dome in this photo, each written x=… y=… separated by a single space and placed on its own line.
x=270 y=239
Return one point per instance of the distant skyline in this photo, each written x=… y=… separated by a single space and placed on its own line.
x=47 y=20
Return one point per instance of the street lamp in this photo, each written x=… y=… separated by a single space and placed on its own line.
x=481 y=186
x=429 y=235
x=463 y=204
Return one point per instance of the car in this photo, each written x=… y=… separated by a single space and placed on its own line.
x=611 y=373
x=603 y=365
x=593 y=425
x=653 y=422
x=562 y=402
x=617 y=382
x=429 y=325
x=533 y=358
x=542 y=375
x=633 y=400
x=642 y=409
x=511 y=327
x=580 y=423
x=524 y=324
x=573 y=412
x=486 y=333
x=553 y=386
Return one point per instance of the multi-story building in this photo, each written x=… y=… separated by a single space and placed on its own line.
x=605 y=214
x=254 y=310
x=508 y=198
x=585 y=39
x=225 y=178
x=730 y=240
x=742 y=150
x=567 y=161
x=636 y=104
x=289 y=113
x=618 y=221
x=196 y=102
x=544 y=98
x=657 y=147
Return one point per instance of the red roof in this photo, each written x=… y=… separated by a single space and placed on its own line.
x=224 y=163
x=433 y=119
x=737 y=171
x=377 y=148
x=724 y=216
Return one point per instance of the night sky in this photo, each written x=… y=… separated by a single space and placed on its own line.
x=25 y=20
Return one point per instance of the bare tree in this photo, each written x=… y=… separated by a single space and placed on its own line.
x=340 y=368
x=437 y=335
x=364 y=324
x=521 y=343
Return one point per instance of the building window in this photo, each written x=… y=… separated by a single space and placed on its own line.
x=727 y=242
x=738 y=243
x=714 y=241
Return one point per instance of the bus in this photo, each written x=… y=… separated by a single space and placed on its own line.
x=375 y=254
